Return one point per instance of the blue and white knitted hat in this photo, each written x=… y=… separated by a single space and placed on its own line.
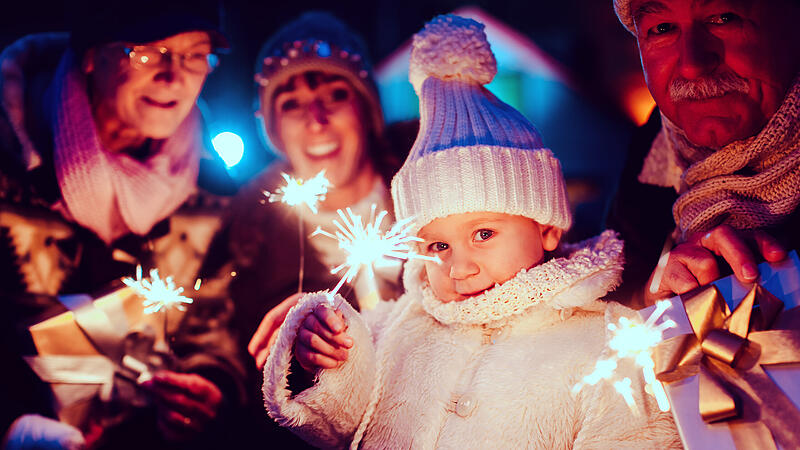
x=473 y=153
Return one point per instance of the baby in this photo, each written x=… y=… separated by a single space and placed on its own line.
x=484 y=348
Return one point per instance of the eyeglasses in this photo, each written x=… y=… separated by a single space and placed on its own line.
x=147 y=56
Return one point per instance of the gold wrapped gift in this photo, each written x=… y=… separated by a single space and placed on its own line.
x=96 y=352
x=718 y=362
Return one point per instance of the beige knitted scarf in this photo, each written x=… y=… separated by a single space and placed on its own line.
x=748 y=184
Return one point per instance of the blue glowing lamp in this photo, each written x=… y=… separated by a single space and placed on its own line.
x=229 y=146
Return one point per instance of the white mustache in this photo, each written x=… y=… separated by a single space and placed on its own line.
x=707 y=87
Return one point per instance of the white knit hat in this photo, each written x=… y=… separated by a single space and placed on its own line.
x=473 y=153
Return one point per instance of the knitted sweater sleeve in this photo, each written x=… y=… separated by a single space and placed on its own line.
x=327 y=413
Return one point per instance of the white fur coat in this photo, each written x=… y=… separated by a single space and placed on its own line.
x=492 y=371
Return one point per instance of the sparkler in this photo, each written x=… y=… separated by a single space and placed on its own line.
x=632 y=339
x=367 y=244
x=158 y=295
x=298 y=192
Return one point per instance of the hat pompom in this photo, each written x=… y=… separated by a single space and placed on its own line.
x=451 y=47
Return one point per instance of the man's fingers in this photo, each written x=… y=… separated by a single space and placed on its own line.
x=700 y=264
x=689 y=266
x=678 y=279
x=731 y=245
x=769 y=247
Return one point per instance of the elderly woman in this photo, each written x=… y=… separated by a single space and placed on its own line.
x=102 y=162
x=320 y=110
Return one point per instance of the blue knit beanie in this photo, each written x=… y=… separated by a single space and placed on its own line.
x=316 y=41
x=473 y=153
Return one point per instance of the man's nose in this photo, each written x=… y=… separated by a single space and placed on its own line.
x=700 y=52
x=462 y=265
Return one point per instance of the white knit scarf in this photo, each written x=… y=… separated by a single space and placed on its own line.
x=583 y=273
x=113 y=193
x=748 y=184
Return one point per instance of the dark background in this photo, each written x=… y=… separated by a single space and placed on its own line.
x=583 y=35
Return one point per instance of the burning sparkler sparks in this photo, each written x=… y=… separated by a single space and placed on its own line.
x=367 y=244
x=631 y=339
x=158 y=294
x=296 y=191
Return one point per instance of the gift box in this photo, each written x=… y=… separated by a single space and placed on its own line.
x=95 y=354
x=746 y=359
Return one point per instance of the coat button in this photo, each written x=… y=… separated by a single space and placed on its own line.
x=498 y=335
x=465 y=405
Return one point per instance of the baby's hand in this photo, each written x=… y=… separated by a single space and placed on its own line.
x=322 y=342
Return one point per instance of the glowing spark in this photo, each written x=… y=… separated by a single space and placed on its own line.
x=197 y=284
x=158 y=294
x=367 y=244
x=631 y=339
x=297 y=191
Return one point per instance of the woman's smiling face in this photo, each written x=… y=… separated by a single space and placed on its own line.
x=320 y=122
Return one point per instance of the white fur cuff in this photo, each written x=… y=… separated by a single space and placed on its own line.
x=326 y=414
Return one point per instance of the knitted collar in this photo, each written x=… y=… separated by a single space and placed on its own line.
x=581 y=274
x=751 y=183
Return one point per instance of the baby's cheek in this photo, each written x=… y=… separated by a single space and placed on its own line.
x=435 y=277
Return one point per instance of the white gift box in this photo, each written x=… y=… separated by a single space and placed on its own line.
x=783 y=281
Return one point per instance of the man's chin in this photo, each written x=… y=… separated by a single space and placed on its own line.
x=714 y=132
x=715 y=123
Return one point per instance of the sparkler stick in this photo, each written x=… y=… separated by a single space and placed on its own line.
x=367 y=244
x=634 y=340
x=158 y=294
x=298 y=192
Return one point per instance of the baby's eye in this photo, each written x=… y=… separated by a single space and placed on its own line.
x=662 y=28
x=483 y=235
x=289 y=105
x=723 y=19
x=438 y=247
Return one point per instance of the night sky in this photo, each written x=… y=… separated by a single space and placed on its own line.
x=583 y=35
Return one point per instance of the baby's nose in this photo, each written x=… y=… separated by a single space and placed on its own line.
x=463 y=267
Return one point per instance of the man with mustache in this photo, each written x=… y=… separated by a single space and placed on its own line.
x=715 y=170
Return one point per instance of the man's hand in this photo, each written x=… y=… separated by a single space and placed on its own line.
x=322 y=341
x=186 y=403
x=694 y=263
x=267 y=331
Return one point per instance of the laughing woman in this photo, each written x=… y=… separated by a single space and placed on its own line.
x=320 y=111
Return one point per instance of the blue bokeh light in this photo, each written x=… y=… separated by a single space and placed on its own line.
x=229 y=146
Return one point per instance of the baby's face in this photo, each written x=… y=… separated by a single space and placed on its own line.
x=480 y=249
